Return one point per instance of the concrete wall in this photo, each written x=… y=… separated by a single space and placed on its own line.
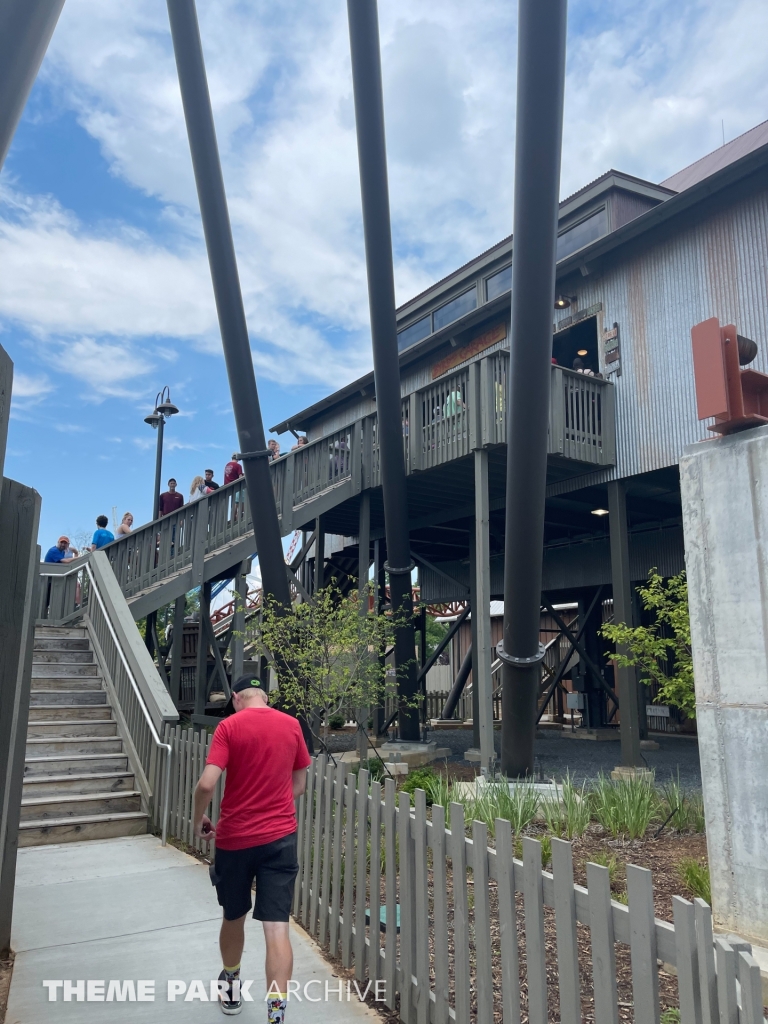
x=724 y=486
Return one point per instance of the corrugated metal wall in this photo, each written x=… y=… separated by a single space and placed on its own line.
x=718 y=267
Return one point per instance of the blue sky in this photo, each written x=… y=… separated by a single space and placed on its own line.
x=105 y=294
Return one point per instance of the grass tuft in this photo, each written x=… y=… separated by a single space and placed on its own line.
x=695 y=876
x=567 y=814
x=626 y=807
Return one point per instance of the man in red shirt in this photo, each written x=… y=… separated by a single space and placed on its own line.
x=233 y=470
x=264 y=755
x=170 y=500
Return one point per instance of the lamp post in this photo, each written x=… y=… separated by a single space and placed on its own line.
x=164 y=407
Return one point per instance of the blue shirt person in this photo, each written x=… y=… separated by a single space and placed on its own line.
x=102 y=536
x=60 y=552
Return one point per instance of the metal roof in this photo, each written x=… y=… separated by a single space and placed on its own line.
x=719 y=158
x=712 y=173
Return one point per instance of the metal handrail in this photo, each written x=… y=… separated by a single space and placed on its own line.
x=142 y=704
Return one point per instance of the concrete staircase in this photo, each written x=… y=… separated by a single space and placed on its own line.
x=77 y=780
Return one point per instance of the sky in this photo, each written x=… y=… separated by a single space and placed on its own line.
x=105 y=293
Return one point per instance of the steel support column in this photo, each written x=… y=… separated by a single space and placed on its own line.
x=319 y=555
x=473 y=576
x=201 y=675
x=238 y=620
x=229 y=300
x=481 y=610
x=364 y=547
x=177 y=647
x=372 y=155
x=626 y=678
x=540 y=87
x=26 y=27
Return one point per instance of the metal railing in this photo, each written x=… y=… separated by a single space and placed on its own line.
x=140 y=702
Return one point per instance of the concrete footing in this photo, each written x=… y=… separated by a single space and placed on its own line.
x=413 y=754
x=624 y=772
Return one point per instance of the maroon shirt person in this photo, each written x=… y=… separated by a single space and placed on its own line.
x=170 y=500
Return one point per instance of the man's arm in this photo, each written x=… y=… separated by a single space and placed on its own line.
x=203 y=793
x=299 y=782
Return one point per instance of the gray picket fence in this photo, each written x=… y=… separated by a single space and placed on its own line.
x=444 y=922
x=470 y=915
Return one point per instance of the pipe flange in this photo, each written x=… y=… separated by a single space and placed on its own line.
x=510 y=659
x=254 y=455
x=399 y=572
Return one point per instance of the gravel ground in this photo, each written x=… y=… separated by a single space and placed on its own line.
x=583 y=759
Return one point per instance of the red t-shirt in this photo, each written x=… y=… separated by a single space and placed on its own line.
x=232 y=471
x=259 y=748
x=170 y=501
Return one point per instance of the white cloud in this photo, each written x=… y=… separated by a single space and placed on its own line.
x=28 y=387
x=647 y=88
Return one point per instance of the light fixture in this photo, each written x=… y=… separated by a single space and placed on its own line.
x=581 y=352
x=564 y=301
x=599 y=511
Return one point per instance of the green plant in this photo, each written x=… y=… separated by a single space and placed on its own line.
x=567 y=813
x=337 y=721
x=610 y=861
x=625 y=807
x=661 y=651
x=425 y=778
x=670 y=1016
x=324 y=651
x=518 y=804
x=546 y=851
x=695 y=876
x=685 y=807
x=373 y=766
x=621 y=897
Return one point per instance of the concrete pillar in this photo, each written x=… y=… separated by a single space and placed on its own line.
x=626 y=678
x=724 y=490
x=481 y=610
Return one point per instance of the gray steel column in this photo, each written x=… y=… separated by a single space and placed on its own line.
x=540 y=87
x=482 y=609
x=177 y=647
x=201 y=675
x=229 y=300
x=372 y=155
x=475 y=748
x=364 y=546
x=238 y=620
x=626 y=678
x=319 y=555
x=26 y=27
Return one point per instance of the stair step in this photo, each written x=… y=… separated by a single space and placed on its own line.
x=74 y=745
x=70 y=712
x=48 y=670
x=60 y=643
x=74 y=764
x=67 y=698
x=82 y=782
x=62 y=657
x=59 y=728
x=78 y=805
x=66 y=682
x=61 y=632
x=86 y=826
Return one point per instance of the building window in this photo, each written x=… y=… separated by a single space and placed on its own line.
x=582 y=234
x=498 y=283
x=454 y=309
x=416 y=332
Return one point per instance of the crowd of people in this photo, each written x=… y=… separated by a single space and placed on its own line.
x=170 y=501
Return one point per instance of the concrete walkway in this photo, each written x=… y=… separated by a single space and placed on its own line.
x=127 y=909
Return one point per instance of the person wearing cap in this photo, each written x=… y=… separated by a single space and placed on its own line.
x=61 y=551
x=265 y=757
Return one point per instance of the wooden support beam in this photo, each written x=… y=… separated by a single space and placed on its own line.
x=177 y=647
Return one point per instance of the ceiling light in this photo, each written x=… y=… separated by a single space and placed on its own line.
x=599 y=511
x=581 y=352
x=562 y=302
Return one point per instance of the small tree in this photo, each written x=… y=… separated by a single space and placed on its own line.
x=661 y=651
x=327 y=652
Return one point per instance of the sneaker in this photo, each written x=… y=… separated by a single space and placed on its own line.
x=229 y=1005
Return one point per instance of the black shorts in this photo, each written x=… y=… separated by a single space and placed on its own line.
x=273 y=865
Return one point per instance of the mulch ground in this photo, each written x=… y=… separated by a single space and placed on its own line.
x=6 y=970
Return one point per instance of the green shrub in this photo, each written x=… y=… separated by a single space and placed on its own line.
x=625 y=807
x=695 y=876
x=670 y=1016
x=425 y=778
x=337 y=721
x=567 y=814
x=546 y=851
